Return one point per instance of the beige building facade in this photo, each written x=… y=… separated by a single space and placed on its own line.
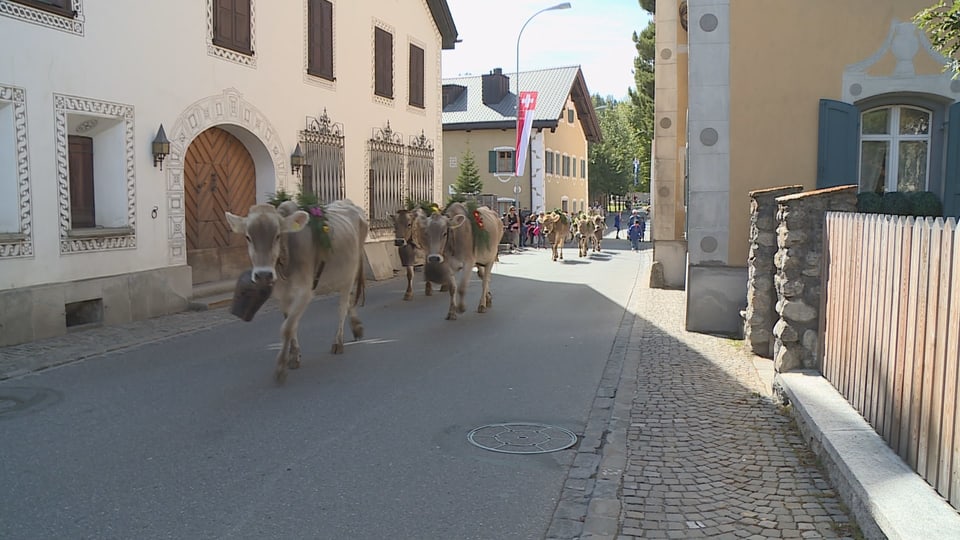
x=96 y=229
x=835 y=93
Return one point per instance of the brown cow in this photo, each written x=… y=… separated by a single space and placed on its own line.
x=286 y=252
x=449 y=242
x=600 y=227
x=584 y=233
x=556 y=229
x=408 y=249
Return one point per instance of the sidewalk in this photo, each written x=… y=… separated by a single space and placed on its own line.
x=697 y=446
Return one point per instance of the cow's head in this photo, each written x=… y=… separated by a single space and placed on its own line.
x=263 y=226
x=403 y=224
x=550 y=222
x=431 y=233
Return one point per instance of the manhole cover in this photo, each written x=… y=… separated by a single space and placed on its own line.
x=522 y=438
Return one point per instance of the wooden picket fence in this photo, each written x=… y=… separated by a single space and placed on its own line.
x=891 y=334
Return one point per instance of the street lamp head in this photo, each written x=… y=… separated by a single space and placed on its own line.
x=565 y=5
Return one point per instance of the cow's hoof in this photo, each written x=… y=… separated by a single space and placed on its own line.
x=357 y=329
x=294 y=363
x=336 y=348
x=462 y=308
x=451 y=315
x=489 y=300
x=280 y=375
x=408 y=296
x=482 y=308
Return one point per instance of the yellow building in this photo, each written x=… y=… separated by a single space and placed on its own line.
x=777 y=92
x=479 y=116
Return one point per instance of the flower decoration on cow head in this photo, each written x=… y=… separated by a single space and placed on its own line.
x=310 y=204
x=478 y=218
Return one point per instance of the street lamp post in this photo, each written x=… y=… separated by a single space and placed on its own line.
x=516 y=189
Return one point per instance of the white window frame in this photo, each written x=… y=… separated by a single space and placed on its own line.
x=117 y=185
x=249 y=60
x=893 y=139
x=40 y=17
x=18 y=243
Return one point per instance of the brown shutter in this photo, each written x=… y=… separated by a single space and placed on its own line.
x=416 y=76
x=223 y=23
x=320 y=38
x=383 y=63
x=241 y=26
x=82 y=212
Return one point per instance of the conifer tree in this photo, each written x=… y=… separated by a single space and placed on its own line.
x=468 y=180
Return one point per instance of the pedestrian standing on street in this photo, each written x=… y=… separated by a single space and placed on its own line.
x=616 y=223
x=513 y=225
x=634 y=234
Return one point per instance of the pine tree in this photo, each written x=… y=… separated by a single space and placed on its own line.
x=468 y=181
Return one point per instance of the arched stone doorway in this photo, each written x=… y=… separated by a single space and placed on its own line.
x=219 y=176
x=231 y=113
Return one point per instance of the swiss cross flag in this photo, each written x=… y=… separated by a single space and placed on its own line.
x=528 y=102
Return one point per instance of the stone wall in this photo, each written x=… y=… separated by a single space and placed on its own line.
x=761 y=315
x=800 y=220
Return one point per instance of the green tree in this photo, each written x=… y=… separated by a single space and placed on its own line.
x=468 y=180
x=941 y=22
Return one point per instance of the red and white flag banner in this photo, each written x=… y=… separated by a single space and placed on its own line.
x=528 y=102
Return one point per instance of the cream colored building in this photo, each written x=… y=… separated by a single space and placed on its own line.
x=479 y=116
x=94 y=229
x=778 y=92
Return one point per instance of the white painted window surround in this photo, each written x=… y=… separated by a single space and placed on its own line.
x=110 y=125
x=16 y=205
x=41 y=17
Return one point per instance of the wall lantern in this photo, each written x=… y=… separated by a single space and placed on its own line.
x=296 y=160
x=161 y=147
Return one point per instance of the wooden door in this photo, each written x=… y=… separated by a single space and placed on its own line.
x=219 y=176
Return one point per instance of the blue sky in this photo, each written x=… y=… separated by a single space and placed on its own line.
x=600 y=39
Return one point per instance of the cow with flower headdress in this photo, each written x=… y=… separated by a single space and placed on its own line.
x=458 y=239
x=295 y=249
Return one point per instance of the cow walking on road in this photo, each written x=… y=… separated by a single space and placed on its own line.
x=408 y=249
x=452 y=247
x=599 y=227
x=295 y=257
x=556 y=229
x=583 y=228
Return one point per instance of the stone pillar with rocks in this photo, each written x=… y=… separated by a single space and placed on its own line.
x=800 y=220
x=761 y=315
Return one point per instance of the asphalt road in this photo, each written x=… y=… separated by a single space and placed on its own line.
x=191 y=438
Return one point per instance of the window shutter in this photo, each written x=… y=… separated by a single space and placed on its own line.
x=383 y=63
x=416 y=76
x=82 y=208
x=492 y=160
x=241 y=25
x=320 y=39
x=951 y=180
x=838 y=144
x=223 y=23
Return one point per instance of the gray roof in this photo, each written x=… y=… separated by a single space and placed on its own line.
x=553 y=86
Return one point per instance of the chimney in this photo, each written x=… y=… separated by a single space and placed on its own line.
x=496 y=86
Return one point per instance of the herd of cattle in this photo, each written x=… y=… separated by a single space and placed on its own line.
x=289 y=258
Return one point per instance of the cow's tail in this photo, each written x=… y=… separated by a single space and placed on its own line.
x=360 y=295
